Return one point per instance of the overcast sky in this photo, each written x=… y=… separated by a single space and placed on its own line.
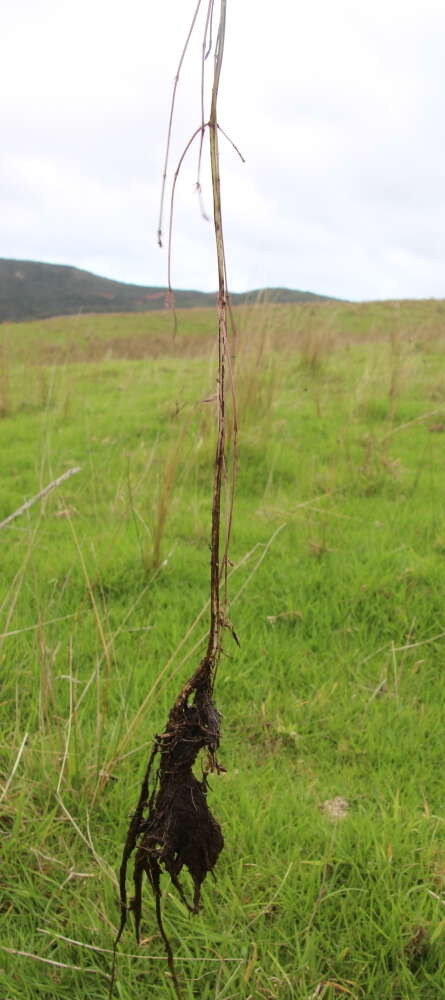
x=338 y=109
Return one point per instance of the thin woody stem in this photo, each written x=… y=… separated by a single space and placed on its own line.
x=170 y=122
x=215 y=615
x=206 y=48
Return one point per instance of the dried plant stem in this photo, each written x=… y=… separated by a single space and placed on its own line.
x=170 y=295
x=130 y=955
x=39 y=496
x=215 y=620
x=170 y=121
x=52 y=961
x=172 y=827
x=206 y=49
x=16 y=764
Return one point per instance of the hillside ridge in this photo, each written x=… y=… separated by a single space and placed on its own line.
x=37 y=290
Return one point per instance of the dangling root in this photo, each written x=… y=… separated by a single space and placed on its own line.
x=173 y=828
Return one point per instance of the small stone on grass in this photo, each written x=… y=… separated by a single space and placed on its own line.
x=335 y=809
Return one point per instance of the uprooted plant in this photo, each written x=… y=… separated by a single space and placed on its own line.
x=172 y=827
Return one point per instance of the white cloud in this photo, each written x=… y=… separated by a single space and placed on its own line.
x=337 y=108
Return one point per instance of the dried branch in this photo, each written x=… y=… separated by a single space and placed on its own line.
x=39 y=496
x=170 y=295
x=232 y=143
x=141 y=958
x=206 y=49
x=170 y=121
x=16 y=764
x=52 y=961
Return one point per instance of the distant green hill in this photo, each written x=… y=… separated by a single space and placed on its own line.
x=32 y=290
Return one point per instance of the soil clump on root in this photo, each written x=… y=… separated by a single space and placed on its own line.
x=172 y=826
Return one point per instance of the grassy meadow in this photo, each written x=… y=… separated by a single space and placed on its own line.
x=332 y=881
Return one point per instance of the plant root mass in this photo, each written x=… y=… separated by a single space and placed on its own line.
x=172 y=826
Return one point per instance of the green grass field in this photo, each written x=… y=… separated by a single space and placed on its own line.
x=338 y=598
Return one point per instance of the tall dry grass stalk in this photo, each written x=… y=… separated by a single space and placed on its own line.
x=153 y=554
x=256 y=368
x=5 y=380
x=395 y=363
x=315 y=341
